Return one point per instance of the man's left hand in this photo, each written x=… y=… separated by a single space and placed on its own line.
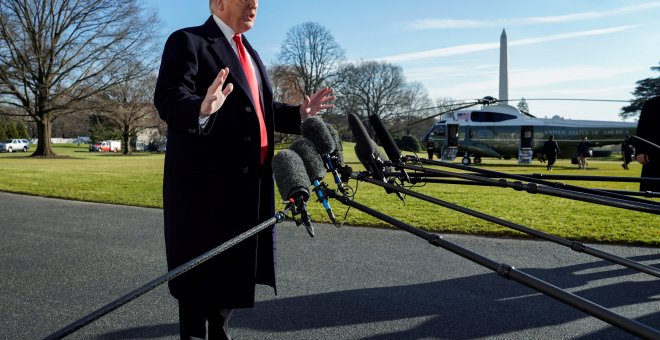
x=311 y=106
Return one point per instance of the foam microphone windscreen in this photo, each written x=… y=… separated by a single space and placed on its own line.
x=339 y=149
x=364 y=145
x=385 y=138
x=290 y=175
x=314 y=129
x=310 y=157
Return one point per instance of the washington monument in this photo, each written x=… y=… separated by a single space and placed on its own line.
x=504 y=70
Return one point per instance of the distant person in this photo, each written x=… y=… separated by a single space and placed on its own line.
x=551 y=150
x=647 y=128
x=627 y=151
x=430 y=148
x=583 y=152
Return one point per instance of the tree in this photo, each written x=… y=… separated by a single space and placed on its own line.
x=56 y=54
x=3 y=129
x=418 y=105
x=10 y=129
x=309 y=58
x=372 y=87
x=380 y=88
x=21 y=130
x=102 y=128
x=283 y=80
x=645 y=90
x=522 y=106
x=129 y=109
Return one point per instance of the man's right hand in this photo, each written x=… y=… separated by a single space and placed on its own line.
x=215 y=96
x=642 y=158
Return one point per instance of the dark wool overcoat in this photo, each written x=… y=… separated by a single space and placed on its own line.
x=214 y=186
x=648 y=128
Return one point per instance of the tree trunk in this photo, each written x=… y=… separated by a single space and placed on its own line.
x=44 y=146
x=126 y=139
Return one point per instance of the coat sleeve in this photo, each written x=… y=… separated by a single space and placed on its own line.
x=176 y=97
x=287 y=118
x=647 y=126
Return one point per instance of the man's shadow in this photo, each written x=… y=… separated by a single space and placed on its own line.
x=463 y=308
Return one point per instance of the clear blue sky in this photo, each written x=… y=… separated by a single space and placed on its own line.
x=593 y=49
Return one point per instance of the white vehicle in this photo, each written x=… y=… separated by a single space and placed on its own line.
x=110 y=146
x=11 y=145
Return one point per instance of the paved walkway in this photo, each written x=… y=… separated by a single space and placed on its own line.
x=62 y=260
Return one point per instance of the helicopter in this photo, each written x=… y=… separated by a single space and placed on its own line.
x=501 y=131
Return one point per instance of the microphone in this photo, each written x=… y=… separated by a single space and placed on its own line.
x=314 y=129
x=365 y=148
x=315 y=170
x=292 y=183
x=386 y=140
x=367 y=151
x=338 y=154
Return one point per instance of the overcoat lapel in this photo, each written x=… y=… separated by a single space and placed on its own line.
x=265 y=84
x=220 y=48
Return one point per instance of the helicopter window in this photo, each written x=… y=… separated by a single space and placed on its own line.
x=439 y=129
x=485 y=116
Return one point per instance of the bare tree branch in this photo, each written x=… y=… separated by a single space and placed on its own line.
x=311 y=57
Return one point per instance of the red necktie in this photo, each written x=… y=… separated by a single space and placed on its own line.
x=254 y=88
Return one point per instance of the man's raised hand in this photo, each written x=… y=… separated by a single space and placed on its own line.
x=317 y=102
x=215 y=96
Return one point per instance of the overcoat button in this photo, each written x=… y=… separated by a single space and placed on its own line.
x=247 y=139
x=248 y=109
x=245 y=170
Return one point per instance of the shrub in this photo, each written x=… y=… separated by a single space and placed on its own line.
x=408 y=143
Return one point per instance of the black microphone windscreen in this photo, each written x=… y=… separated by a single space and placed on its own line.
x=365 y=147
x=314 y=129
x=385 y=138
x=364 y=144
x=339 y=149
x=290 y=175
x=364 y=159
x=310 y=157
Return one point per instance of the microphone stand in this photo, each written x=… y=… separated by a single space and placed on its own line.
x=279 y=217
x=417 y=177
x=509 y=272
x=528 y=179
x=574 y=245
x=636 y=139
x=497 y=174
x=628 y=203
x=594 y=178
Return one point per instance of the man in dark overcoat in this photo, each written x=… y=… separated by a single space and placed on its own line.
x=648 y=127
x=218 y=180
x=551 y=151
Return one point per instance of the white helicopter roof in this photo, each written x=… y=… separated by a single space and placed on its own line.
x=503 y=115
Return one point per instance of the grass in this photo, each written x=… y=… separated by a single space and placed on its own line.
x=137 y=180
x=78 y=174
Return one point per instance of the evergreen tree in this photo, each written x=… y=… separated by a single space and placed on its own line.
x=522 y=106
x=21 y=129
x=3 y=129
x=11 y=130
x=645 y=90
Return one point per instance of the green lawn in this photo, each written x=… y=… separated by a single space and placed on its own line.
x=136 y=180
